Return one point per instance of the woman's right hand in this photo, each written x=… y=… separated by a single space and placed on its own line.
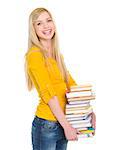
x=71 y=133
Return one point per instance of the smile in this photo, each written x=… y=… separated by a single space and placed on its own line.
x=47 y=32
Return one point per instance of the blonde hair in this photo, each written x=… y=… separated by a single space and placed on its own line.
x=34 y=41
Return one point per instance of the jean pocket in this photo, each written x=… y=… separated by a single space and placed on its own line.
x=50 y=126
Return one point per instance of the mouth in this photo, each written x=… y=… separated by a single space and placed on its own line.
x=47 y=32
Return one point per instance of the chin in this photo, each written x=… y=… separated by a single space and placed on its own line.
x=47 y=37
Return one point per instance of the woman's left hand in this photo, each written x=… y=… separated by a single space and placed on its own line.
x=93 y=121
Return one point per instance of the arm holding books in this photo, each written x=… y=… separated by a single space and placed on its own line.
x=70 y=132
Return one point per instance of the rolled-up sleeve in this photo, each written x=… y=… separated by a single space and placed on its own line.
x=40 y=76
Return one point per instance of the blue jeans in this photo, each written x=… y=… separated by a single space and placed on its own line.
x=47 y=135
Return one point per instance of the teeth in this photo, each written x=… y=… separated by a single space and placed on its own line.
x=47 y=32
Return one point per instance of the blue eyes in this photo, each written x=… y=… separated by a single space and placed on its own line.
x=47 y=21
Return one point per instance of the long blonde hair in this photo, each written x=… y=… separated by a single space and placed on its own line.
x=34 y=41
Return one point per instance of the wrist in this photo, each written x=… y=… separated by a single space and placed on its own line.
x=66 y=125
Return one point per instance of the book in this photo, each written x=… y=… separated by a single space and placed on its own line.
x=81 y=87
x=78 y=102
x=80 y=129
x=86 y=131
x=81 y=125
x=78 y=115
x=77 y=105
x=84 y=98
x=78 y=109
x=85 y=135
x=78 y=94
x=77 y=118
x=87 y=120
x=81 y=111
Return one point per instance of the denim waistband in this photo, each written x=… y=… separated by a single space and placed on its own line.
x=44 y=120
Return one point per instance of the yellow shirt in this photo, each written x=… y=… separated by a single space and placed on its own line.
x=46 y=84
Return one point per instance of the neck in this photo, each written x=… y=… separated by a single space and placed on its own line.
x=47 y=44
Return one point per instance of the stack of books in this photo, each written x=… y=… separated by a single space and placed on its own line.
x=78 y=109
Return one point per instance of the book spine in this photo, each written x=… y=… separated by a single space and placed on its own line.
x=81 y=125
x=78 y=94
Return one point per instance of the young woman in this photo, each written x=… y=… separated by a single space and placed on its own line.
x=46 y=71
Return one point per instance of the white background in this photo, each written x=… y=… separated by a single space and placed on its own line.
x=86 y=35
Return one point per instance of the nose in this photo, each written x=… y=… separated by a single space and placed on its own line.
x=45 y=25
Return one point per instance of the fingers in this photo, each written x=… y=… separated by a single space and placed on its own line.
x=93 y=133
x=77 y=131
x=94 y=124
x=74 y=139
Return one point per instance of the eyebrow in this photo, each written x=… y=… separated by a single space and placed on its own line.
x=41 y=20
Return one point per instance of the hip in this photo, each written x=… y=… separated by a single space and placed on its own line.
x=43 y=129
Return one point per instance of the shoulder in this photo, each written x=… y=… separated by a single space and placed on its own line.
x=34 y=54
x=33 y=49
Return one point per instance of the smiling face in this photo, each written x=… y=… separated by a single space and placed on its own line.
x=44 y=26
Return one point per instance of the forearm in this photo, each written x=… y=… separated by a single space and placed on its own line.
x=58 y=112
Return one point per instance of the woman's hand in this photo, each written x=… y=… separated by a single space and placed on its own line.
x=93 y=121
x=71 y=133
